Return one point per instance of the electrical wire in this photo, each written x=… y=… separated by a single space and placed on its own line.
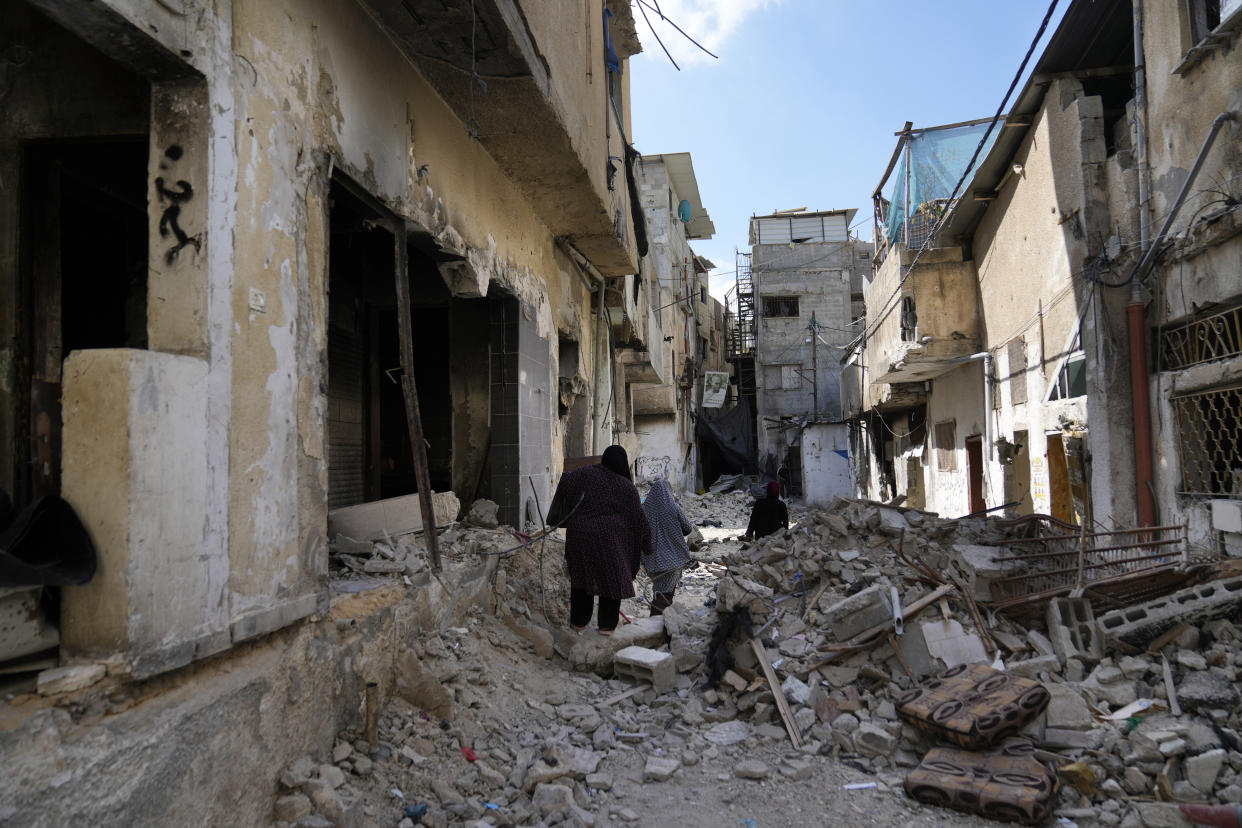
x=656 y=9
x=657 y=37
x=969 y=167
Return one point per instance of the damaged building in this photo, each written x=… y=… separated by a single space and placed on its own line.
x=262 y=264
x=685 y=328
x=804 y=277
x=1017 y=315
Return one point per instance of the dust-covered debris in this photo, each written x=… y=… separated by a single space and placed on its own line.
x=847 y=611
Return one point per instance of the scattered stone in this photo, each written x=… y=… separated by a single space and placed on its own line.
x=871 y=741
x=482 y=514
x=332 y=775
x=69 y=679
x=728 y=733
x=1205 y=690
x=660 y=768
x=292 y=807
x=751 y=769
x=1202 y=770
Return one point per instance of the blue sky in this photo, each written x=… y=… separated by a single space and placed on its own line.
x=801 y=107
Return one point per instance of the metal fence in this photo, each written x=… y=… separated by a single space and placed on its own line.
x=1218 y=336
x=1061 y=562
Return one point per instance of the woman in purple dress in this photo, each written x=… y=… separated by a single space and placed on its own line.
x=606 y=537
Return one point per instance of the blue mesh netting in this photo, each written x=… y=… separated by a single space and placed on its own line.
x=937 y=160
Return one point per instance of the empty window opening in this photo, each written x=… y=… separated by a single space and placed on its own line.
x=370 y=456
x=780 y=306
x=946 y=446
x=909 y=319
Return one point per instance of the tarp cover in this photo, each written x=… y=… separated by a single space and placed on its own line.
x=937 y=159
x=730 y=430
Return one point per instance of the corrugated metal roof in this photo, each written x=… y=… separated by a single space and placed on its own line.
x=786 y=228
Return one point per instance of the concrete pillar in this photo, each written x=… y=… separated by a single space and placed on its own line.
x=135 y=470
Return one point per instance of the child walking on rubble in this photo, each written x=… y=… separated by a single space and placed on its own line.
x=669 y=551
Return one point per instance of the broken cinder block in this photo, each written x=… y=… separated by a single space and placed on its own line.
x=645 y=664
x=859 y=612
x=1073 y=630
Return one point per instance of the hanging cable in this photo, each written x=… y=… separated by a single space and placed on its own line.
x=656 y=9
x=657 y=37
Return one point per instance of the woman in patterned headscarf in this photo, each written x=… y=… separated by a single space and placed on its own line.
x=606 y=536
x=669 y=552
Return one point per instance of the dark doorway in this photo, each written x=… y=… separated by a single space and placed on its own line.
x=974 y=473
x=370 y=456
x=84 y=262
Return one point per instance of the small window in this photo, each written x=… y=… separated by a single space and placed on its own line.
x=782 y=377
x=703 y=294
x=1072 y=381
x=780 y=306
x=1017 y=370
x=946 y=446
x=909 y=319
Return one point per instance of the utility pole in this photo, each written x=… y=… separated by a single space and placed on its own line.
x=814 y=367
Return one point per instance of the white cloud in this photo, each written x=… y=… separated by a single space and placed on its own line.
x=710 y=22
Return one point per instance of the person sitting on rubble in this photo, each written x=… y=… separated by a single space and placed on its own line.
x=606 y=537
x=670 y=552
x=769 y=515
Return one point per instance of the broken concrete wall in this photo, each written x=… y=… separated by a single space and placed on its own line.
x=826 y=465
x=212 y=740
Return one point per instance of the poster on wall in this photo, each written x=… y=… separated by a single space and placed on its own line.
x=715 y=387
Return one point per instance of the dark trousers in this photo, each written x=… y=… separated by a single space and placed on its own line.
x=582 y=603
x=663 y=600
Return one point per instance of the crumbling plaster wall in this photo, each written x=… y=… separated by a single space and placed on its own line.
x=205 y=745
x=957 y=396
x=1203 y=269
x=946 y=305
x=1032 y=247
x=308 y=101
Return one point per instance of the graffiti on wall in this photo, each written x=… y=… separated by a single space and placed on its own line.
x=652 y=468
x=170 y=220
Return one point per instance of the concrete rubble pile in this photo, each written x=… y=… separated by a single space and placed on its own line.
x=832 y=579
x=472 y=735
x=1144 y=708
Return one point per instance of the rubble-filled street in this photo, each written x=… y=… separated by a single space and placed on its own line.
x=505 y=720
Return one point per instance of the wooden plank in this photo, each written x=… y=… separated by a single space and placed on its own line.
x=861 y=641
x=901 y=659
x=1165 y=640
x=401 y=257
x=1174 y=707
x=620 y=697
x=781 y=705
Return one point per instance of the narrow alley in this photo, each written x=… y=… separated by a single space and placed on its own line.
x=439 y=412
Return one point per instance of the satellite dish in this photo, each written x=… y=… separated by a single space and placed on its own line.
x=684 y=211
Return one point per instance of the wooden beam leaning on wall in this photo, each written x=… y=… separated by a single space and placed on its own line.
x=401 y=268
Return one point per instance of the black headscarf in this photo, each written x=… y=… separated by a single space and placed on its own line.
x=616 y=460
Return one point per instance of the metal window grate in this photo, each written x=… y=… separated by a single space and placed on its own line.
x=1218 y=336
x=1210 y=431
x=783 y=306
